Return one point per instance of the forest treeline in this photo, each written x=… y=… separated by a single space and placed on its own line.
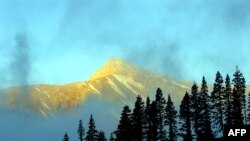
x=202 y=115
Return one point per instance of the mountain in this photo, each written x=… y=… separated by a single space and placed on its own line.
x=115 y=84
x=48 y=111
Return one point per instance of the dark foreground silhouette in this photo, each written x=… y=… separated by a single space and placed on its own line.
x=202 y=116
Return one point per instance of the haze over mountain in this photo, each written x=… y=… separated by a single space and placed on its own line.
x=46 y=45
x=105 y=93
x=116 y=83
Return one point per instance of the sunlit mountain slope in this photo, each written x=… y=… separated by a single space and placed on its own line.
x=111 y=87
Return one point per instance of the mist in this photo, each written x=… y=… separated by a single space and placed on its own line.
x=183 y=39
x=156 y=58
x=20 y=60
x=64 y=41
x=19 y=125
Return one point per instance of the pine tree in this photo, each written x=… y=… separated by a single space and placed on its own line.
x=239 y=86
x=138 y=120
x=185 y=118
x=170 y=120
x=123 y=132
x=92 y=132
x=248 y=116
x=101 y=136
x=195 y=110
x=160 y=107
x=217 y=103
x=80 y=131
x=205 y=114
x=148 y=124
x=228 y=101
x=152 y=130
x=66 y=137
x=237 y=117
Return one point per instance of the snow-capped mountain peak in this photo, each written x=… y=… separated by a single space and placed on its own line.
x=116 y=83
x=115 y=66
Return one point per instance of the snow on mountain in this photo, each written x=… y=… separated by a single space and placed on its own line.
x=57 y=108
x=116 y=83
x=181 y=85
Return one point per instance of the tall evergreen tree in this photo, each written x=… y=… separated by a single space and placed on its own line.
x=148 y=124
x=138 y=120
x=185 y=118
x=237 y=116
x=228 y=101
x=152 y=130
x=195 y=110
x=160 y=107
x=66 y=137
x=92 y=132
x=123 y=132
x=170 y=120
x=101 y=136
x=239 y=86
x=248 y=116
x=205 y=114
x=80 y=131
x=217 y=103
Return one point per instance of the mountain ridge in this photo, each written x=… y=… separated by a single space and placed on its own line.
x=115 y=84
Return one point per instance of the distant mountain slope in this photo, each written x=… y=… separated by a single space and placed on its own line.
x=115 y=84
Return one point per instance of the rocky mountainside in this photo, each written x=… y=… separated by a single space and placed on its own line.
x=115 y=84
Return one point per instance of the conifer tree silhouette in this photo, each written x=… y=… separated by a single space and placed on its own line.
x=170 y=120
x=228 y=98
x=92 y=132
x=123 y=132
x=148 y=122
x=152 y=131
x=80 y=131
x=138 y=120
x=217 y=103
x=237 y=116
x=205 y=113
x=160 y=111
x=185 y=118
x=66 y=137
x=248 y=116
x=239 y=86
x=195 y=110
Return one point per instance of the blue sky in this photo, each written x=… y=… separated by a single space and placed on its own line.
x=62 y=41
